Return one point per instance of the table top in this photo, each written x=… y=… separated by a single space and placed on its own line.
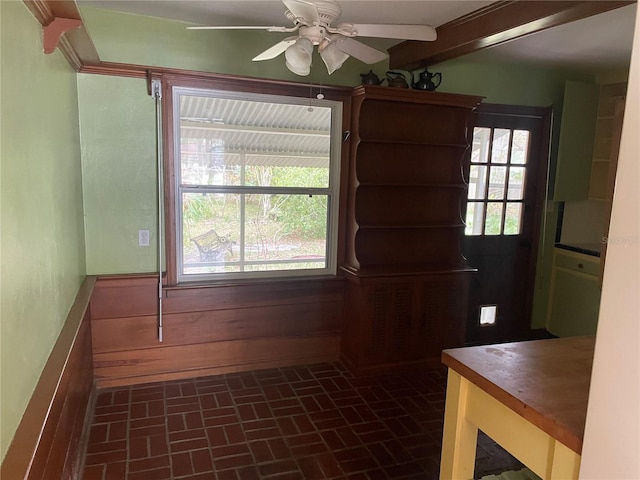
x=544 y=381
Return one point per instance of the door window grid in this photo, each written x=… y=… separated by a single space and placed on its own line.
x=496 y=181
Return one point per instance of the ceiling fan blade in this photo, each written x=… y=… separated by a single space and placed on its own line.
x=243 y=27
x=274 y=51
x=402 y=32
x=302 y=9
x=359 y=50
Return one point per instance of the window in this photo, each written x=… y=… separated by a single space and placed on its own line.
x=497 y=181
x=256 y=184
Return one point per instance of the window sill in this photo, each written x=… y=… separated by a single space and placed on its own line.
x=188 y=288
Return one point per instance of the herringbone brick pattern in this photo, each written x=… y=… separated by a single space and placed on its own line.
x=312 y=422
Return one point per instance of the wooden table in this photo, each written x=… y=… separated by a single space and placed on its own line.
x=529 y=397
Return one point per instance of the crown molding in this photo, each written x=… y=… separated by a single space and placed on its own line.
x=75 y=44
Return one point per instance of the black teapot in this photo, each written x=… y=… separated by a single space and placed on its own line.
x=370 y=78
x=397 y=79
x=426 y=81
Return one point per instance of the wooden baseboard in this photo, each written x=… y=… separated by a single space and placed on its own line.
x=175 y=363
x=49 y=440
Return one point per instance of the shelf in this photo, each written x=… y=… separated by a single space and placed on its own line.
x=424 y=269
x=414 y=143
x=455 y=186
x=414 y=226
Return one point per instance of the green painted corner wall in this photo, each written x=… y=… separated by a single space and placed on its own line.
x=139 y=40
x=117 y=130
x=118 y=138
x=42 y=239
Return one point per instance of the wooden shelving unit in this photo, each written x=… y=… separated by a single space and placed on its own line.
x=408 y=282
x=607 y=138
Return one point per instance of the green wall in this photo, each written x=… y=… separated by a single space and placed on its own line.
x=135 y=39
x=42 y=240
x=115 y=159
x=117 y=119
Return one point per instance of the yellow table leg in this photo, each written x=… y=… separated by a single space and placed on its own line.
x=565 y=464
x=460 y=437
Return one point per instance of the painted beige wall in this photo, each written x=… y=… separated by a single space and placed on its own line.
x=612 y=434
x=42 y=239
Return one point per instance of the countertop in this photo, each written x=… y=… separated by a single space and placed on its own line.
x=544 y=381
x=592 y=249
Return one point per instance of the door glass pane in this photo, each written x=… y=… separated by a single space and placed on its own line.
x=500 y=150
x=496 y=182
x=516 y=183
x=493 y=222
x=481 y=139
x=520 y=147
x=477 y=182
x=474 y=218
x=513 y=218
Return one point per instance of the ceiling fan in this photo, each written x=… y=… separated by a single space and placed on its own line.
x=312 y=20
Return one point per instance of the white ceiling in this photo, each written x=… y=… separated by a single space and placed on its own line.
x=599 y=42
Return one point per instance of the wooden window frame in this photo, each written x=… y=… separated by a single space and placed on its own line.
x=245 y=85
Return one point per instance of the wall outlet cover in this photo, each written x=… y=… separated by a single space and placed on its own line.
x=143 y=238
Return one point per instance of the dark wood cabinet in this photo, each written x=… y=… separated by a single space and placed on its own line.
x=407 y=280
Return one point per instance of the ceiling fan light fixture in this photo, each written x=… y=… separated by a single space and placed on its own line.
x=332 y=56
x=298 y=56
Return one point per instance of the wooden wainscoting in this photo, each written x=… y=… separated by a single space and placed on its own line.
x=49 y=441
x=211 y=330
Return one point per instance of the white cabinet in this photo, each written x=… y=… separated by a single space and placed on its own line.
x=574 y=302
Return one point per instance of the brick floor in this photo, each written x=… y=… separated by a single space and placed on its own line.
x=310 y=422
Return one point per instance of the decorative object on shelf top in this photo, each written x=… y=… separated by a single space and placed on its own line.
x=312 y=20
x=370 y=78
x=397 y=80
x=426 y=81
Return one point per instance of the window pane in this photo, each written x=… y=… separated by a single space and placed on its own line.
x=516 y=183
x=520 y=147
x=204 y=162
x=480 y=151
x=500 y=150
x=211 y=232
x=513 y=219
x=493 y=222
x=249 y=233
x=286 y=227
x=226 y=141
x=477 y=182
x=290 y=176
x=496 y=182
x=474 y=218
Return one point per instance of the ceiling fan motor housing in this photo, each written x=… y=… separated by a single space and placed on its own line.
x=328 y=11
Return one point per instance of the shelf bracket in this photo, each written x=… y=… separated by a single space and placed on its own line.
x=55 y=29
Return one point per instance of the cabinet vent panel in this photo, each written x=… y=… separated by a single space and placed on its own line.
x=402 y=316
x=380 y=302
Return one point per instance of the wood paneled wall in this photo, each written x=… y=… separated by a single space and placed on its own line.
x=50 y=439
x=211 y=329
